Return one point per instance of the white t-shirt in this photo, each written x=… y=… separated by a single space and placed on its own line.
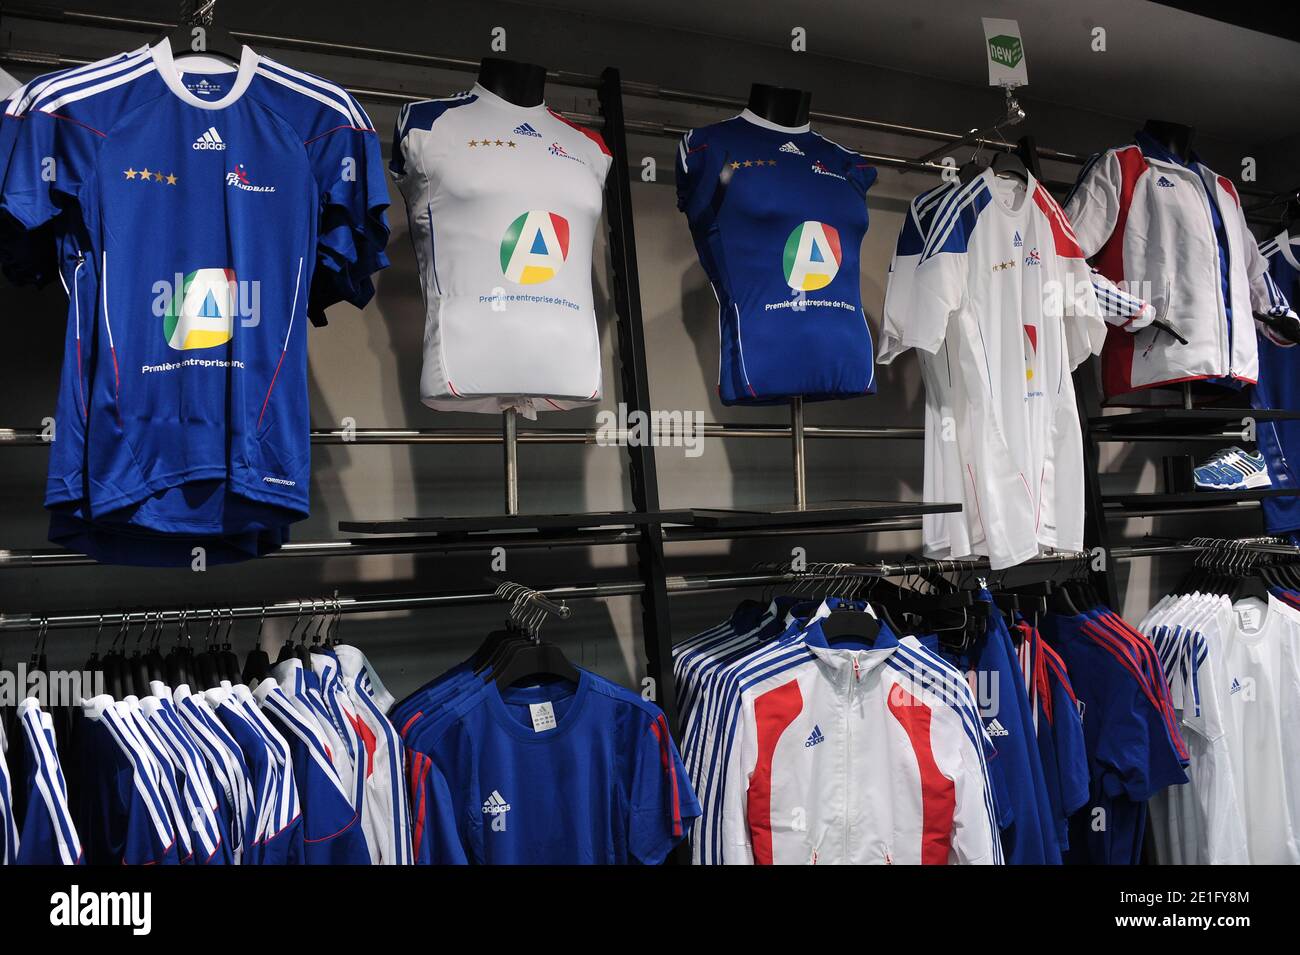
x=503 y=202
x=1261 y=680
x=1003 y=299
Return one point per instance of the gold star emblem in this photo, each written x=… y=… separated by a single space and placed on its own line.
x=144 y=175
x=130 y=173
x=748 y=163
x=171 y=179
x=158 y=177
x=511 y=144
x=771 y=162
x=735 y=165
x=473 y=143
x=500 y=143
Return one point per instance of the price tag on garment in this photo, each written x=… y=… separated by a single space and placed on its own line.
x=1006 y=53
x=1248 y=618
x=543 y=716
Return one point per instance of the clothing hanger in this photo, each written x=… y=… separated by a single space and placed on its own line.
x=286 y=648
x=198 y=34
x=257 y=665
x=533 y=658
x=179 y=662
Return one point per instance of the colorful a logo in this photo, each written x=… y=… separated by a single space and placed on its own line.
x=1031 y=350
x=812 y=256
x=201 y=313
x=535 y=247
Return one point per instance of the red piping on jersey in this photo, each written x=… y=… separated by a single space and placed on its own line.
x=774 y=711
x=591 y=134
x=979 y=514
x=270 y=388
x=407 y=725
x=938 y=793
x=355 y=129
x=166 y=849
x=80 y=393
x=117 y=388
x=696 y=149
x=419 y=770
x=69 y=119
x=452 y=389
x=660 y=728
x=335 y=835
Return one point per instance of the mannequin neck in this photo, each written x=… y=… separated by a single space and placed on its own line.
x=523 y=84
x=780 y=105
x=1173 y=136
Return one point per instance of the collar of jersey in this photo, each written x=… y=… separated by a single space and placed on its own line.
x=755 y=119
x=990 y=177
x=487 y=96
x=521 y=732
x=1284 y=246
x=162 y=57
x=837 y=658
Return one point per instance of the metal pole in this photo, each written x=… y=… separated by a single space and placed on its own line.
x=510 y=442
x=800 y=463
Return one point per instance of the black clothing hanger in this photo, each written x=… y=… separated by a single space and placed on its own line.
x=849 y=623
x=195 y=37
x=1009 y=164
x=533 y=660
x=523 y=84
x=257 y=665
x=780 y=105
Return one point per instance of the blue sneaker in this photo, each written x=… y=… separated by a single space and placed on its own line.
x=1232 y=469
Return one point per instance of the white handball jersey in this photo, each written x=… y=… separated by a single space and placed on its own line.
x=1003 y=299
x=503 y=202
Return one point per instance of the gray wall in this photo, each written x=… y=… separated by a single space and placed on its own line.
x=365 y=365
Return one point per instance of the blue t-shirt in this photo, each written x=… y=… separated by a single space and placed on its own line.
x=1130 y=754
x=603 y=785
x=1028 y=833
x=778 y=216
x=203 y=222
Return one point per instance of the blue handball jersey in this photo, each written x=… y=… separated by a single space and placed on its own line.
x=778 y=215
x=1279 y=386
x=204 y=219
x=601 y=782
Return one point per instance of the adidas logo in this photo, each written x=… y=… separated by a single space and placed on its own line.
x=792 y=149
x=209 y=140
x=494 y=805
x=526 y=129
x=814 y=738
x=1019 y=241
x=1164 y=183
x=1236 y=686
x=997 y=729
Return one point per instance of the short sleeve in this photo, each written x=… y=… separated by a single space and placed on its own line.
x=661 y=800
x=697 y=174
x=939 y=287
x=51 y=159
x=1071 y=753
x=348 y=167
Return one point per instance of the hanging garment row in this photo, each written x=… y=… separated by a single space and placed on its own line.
x=298 y=766
x=932 y=721
x=1229 y=639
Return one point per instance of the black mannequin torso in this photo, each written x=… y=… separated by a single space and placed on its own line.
x=523 y=84
x=1173 y=136
x=779 y=104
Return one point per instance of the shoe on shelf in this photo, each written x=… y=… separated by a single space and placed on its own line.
x=1232 y=469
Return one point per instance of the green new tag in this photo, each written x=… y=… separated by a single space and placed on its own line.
x=1006 y=50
